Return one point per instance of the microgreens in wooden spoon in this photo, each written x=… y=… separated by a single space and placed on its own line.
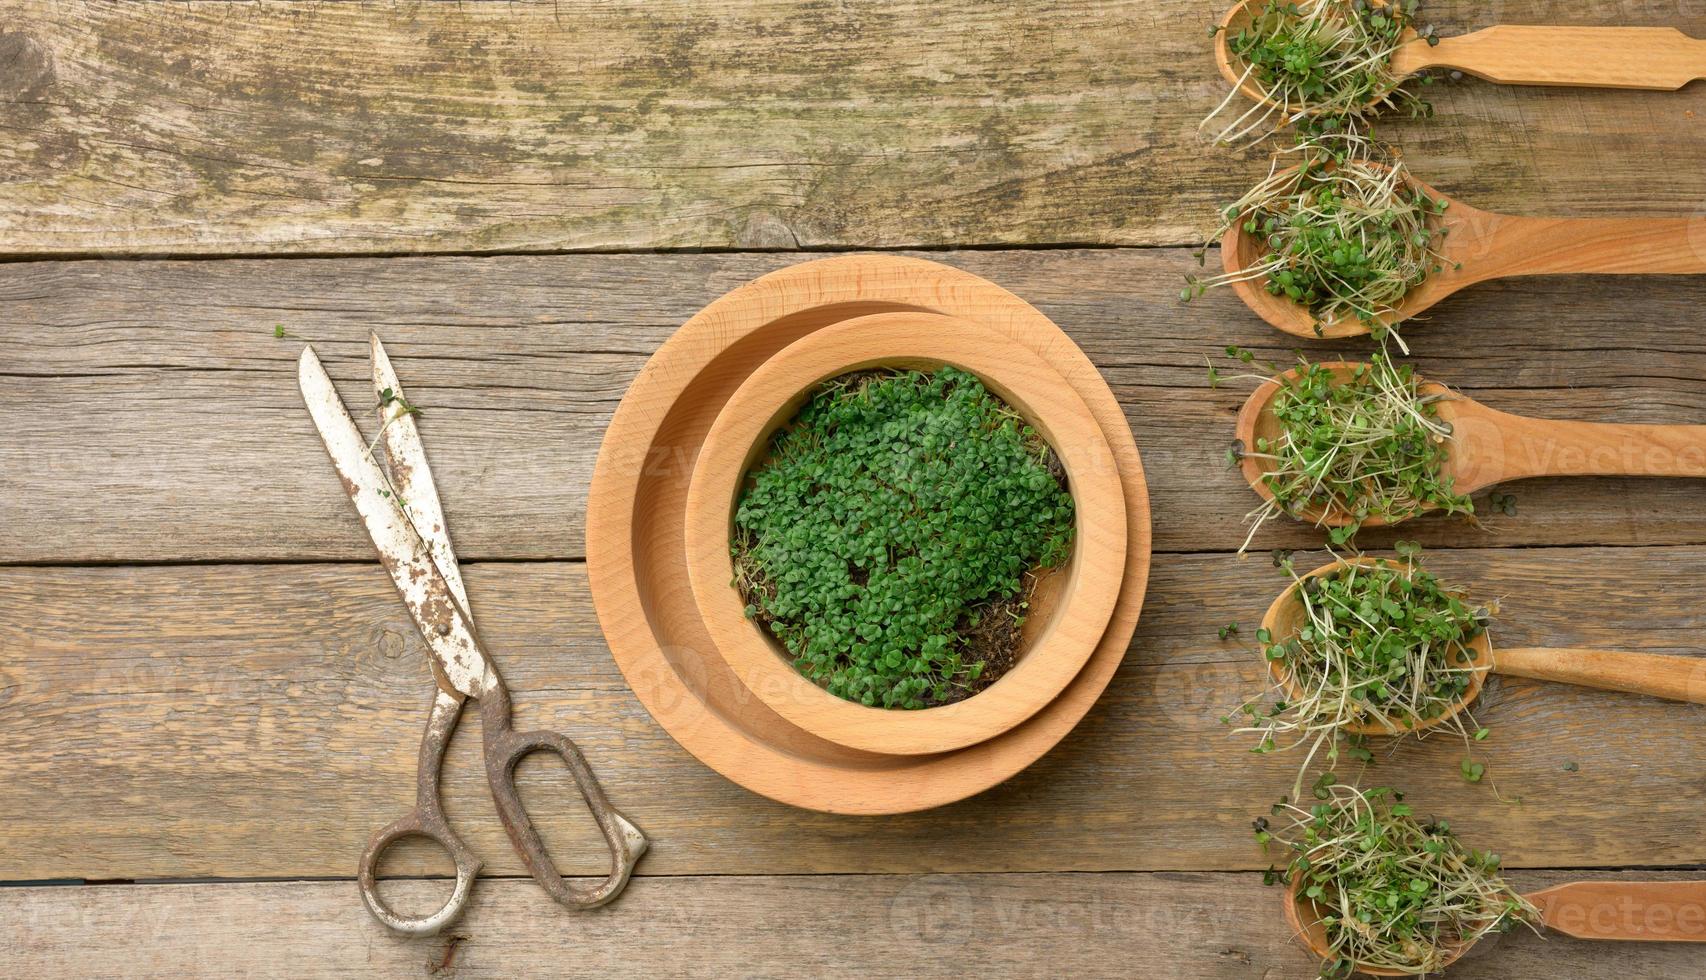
x=1320 y=58
x=1324 y=58
x=1344 y=236
x=1372 y=888
x=1346 y=446
x=1367 y=647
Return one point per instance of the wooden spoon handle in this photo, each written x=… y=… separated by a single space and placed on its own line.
x=1491 y=447
x=1510 y=245
x=1675 y=678
x=1660 y=58
x=1640 y=911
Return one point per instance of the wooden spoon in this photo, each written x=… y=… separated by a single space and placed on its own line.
x=1654 y=58
x=1480 y=245
x=1634 y=911
x=1489 y=447
x=1673 y=678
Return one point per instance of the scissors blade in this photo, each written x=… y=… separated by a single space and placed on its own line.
x=448 y=633
x=411 y=478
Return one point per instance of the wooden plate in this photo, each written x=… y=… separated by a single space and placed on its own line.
x=1064 y=633
x=636 y=540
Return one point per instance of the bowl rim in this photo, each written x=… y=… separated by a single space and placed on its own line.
x=1025 y=380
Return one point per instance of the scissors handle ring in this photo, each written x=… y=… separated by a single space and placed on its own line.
x=432 y=827
x=425 y=820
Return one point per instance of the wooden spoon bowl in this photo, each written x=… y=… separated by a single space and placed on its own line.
x=1257 y=423
x=1303 y=915
x=1475 y=246
x=1070 y=609
x=1287 y=616
x=1654 y=675
x=1237 y=18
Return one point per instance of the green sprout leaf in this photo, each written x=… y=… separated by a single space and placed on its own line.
x=1355 y=446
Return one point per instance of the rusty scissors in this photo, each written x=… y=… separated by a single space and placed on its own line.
x=403 y=515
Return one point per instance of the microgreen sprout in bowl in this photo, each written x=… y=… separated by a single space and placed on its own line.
x=1327 y=59
x=892 y=536
x=1345 y=237
x=1367 y=647
x=1354 y=445
x=1373 y=887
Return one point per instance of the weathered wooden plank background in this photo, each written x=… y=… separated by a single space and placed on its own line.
x=1169 y=924
x=215 y=128
x=204 y=677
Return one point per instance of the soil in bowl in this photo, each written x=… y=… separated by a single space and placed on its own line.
x=893 y=535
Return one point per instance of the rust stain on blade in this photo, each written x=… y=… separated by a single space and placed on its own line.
x=411 y=478
x=425 y=591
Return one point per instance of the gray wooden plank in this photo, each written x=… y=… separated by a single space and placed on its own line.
x=152 y=416
x=262 y=720
x=1185 y=926
x=330 y=128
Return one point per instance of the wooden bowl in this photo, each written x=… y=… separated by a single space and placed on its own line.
x=1071 y=610
x=636 y=542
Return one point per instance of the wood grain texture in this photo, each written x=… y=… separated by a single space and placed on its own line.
x=1676 y=678
x=242 y=720
x=157 y=387
x=1658 y=911
x=209 y=128
x=1523 y=54
x=1493 y=447
x=1176 y=925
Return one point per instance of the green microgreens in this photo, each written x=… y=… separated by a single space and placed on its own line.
x=388 y=398
x=1391 y=892
x=889 y=539
x=1504 y=503
x=1326 y=59
x=1346 y=238
x=1383 y=644
x=1370 y=445
x=397 y=407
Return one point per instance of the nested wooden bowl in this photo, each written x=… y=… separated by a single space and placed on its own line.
x=1070 y=607
x=636 y=537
